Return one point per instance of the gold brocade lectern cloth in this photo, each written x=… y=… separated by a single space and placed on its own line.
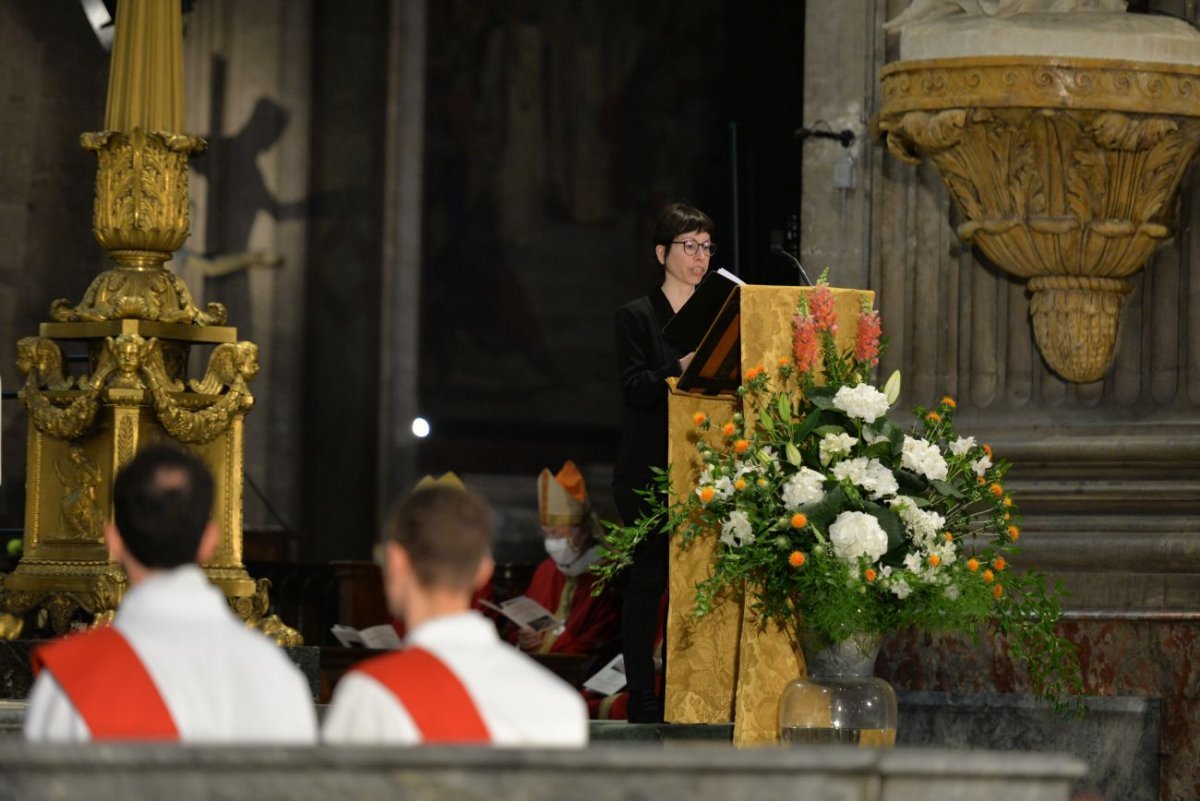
x=725 y=666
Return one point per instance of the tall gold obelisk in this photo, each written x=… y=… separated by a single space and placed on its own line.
x=139 y=326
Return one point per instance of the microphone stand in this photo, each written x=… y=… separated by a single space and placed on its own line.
x=804 y=279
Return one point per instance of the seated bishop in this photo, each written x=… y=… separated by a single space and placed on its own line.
x=455 y=681
x=562 y=582
x=176 y=664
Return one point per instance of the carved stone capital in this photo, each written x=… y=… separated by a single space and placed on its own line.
x=1065 y=169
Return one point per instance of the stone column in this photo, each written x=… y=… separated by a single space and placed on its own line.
x=400 y=298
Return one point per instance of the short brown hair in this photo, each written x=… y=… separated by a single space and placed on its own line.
x=446 y=531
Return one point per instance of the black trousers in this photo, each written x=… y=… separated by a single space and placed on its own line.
x=640 y=610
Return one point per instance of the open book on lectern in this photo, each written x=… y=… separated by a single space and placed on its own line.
x=709 y=324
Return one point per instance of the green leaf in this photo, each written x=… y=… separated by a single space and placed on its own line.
x=824 y=511
x=829 y=429
x=910 y=483
x=890 y=522
x=946 y=488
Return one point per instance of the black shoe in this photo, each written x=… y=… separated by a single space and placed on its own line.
x=644 y=707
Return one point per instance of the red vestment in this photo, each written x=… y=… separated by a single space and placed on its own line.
x=591 y=620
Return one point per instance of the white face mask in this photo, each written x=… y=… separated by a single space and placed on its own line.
x=569 y=561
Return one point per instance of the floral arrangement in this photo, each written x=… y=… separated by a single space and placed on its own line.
x=832 y=516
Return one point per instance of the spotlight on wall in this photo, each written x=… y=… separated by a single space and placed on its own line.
x=100 y=17
x=420 y=427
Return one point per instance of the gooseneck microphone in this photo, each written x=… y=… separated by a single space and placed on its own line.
x=804 y=279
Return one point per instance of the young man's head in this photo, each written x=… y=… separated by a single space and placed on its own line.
x=162 y=509
x=438 y=552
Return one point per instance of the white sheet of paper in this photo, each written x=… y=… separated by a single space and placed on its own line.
x=730 y=276
x=526 y=613
x=347 y=636
x=382 y=637
x=610 y=678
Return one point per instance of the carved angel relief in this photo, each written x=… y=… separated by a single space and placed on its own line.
x=81 y=480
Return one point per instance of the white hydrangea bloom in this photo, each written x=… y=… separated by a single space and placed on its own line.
x=981 y=465
x=870 y=474
x=737 y=531
x=836 y=445
x=862 y=402
x=805 y=487
x=855 y=534
x=924 y=526
x=962 y=445
x=924 y=458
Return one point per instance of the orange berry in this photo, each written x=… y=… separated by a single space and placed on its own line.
x=998 y=591
x=1014 y=533
x=996 y=490
x=934 y=560
x=948 y=402
x=870 y=575
x=973 y=564
x=706 y=494
x=741 y=446
x=799 y=520
x=797 y=559
x=728 y=429
x=699 y=417
x=999 y=563
x=989 y=576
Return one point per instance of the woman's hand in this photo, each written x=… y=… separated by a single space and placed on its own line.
x=686 y=360
x=530 y=640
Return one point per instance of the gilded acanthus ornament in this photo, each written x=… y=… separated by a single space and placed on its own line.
x=1066 y=173
x=140 y=218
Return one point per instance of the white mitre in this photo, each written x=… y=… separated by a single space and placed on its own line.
x=933 y=29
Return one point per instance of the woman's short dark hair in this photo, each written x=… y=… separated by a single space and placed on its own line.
x=162 y=502
x=680 y=218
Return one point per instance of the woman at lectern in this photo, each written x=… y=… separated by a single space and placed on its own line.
x=683 y=246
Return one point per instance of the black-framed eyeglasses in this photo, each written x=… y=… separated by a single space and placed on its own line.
x=690 y=246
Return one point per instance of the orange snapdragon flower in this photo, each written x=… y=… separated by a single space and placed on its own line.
x=948 y=402
x=699 y=417
x=706 y=495
x=740 y=484
x=989 y=576
x=870 y=575
x=933 y=417
x=996 y=490
x=1014 y=533
x=797 y=559
x=973 y=564
x=999 y=563
x=934 y=560
x=740 y=446
x=998 y=591
x=799 y=520
x=728 y=429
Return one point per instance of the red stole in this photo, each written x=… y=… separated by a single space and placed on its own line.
x=108 y=685
x=436 y=699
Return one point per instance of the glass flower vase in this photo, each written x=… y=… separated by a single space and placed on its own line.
x=840 y=701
